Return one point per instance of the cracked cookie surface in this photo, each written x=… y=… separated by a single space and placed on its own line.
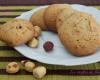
x=65 y=14
x=80 y=34
x=16 y=32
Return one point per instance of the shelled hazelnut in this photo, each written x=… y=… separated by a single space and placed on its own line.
x=39 y=72
x=33 y=43
x=37 y=30
x=28 y=65
x=12 y=67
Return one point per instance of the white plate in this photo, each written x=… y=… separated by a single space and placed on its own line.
x=59 y=56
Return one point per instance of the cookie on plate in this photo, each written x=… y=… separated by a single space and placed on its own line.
x=51 y=14
x=16 y=32
x=37 y=19
x=80 y=34
x=65 y=14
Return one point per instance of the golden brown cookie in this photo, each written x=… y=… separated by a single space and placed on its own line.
x=80 y=34
x=38 y=20
x=16 y=32
x=51 y=14
x=65 y=14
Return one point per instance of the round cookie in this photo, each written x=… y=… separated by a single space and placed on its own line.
x=16 y=32
x=80 y=34
x=51 y=14
x=65 y=14
x=38 y=20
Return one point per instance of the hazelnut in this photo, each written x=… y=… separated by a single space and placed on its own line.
x=37 y=30
x=12 y=67
x=39 y=72
x=48 y=46
x=33 y=43
x=24 y=61
x=29 y=66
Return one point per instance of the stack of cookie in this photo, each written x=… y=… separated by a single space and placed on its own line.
x=78 y=31
x=46 y=18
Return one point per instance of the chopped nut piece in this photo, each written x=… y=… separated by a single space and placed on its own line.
x=33 y=43
x=24 y=61
x=37 y=30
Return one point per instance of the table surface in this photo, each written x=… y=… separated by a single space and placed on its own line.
x=9 y=9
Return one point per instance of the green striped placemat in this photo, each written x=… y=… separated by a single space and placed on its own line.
x=55 y=72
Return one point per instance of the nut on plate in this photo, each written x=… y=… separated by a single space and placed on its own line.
x=39 y=72
x=37 y=30
x=48 y=46
x=28 y=65
x=33 y=43
x=12 y=67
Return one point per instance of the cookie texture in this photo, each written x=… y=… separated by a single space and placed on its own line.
x=80 y=34
x=65 y=14
x=51 y=14
x=37 y=19
x=16 y=32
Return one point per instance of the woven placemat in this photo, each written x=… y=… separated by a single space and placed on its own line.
x=8 y=54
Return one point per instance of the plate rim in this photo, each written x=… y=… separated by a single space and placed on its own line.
x=25 y=13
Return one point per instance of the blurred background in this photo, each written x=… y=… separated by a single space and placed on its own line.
x=42 y=2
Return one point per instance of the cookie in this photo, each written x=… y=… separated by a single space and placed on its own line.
x=38 y=20
x=80 y=34
x=51 y=14
x=16 y=32
x=65 y=14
